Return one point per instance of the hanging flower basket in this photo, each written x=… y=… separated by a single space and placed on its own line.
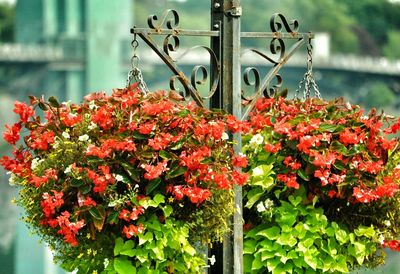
x=323 y=191
x=124 y=183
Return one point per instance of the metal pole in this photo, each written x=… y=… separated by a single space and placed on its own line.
x=231 y=102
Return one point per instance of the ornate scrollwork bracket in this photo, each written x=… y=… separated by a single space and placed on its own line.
x=168 y=25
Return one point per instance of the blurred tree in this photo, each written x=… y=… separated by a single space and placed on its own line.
x=7 y=20
x=379 y=95
x=391 y=48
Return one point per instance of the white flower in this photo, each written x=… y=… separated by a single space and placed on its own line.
x=13 y=180
x=261 y=207
x=118 y=177
x=36 y=162
x=67 y=104
x=56 y=144
x=381 y=239
x=212 y=260
x=66 y=135
x=68 y=169
x=225 y=136
x=256 y=140
x=83 y=138
x=92 y=105
x=268 y=204
x=387 y=223
x=92 y=126
x=106 y=262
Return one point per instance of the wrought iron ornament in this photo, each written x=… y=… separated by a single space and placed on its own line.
x=224 y=75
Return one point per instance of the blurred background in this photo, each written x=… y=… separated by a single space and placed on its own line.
x=68 y=48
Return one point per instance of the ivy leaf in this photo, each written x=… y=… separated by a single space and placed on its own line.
x=253 y=196
x=119 y=244
x=177 y=171
x=330 y=128
x=123 y=266
x=271 y=233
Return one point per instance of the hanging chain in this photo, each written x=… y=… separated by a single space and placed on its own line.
x=135 y=73
x=308 y=81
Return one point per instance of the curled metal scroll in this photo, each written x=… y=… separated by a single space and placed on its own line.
x=170 y=23
x=278 y=21
x=169 y=46
x=251 y=77
x=199 y=75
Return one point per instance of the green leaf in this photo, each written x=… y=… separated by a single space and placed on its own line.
x=271 y=233
x=367 y=231
x=338 y=146
x=147 y=237
x=342 y=236
x=180 y=170
x=286 y=239
x=152 y=185
x=341 y=264
x=134 y=174
x=95 y=212
x=53 y=102
x=303 y=175
x=119 y=244
x=295 y=200
x=167 y=210
x=42 y=106
x=76 y=183
x=165 y=155
x=257 y=263
x=272 y=264
x=127 y=249
x=253 y=196
x=159 y=198
x=139 y=136
x=123 y=266
x=86 y=188
x=183 y=113
x=330 y=128
x=113 y=217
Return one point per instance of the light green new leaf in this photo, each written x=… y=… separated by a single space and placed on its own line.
x=271 y=233
x=123 y=266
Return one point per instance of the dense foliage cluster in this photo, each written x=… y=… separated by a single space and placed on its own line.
x=324 y=186
x=126 y=166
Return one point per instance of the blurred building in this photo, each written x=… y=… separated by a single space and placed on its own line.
x=64 y=48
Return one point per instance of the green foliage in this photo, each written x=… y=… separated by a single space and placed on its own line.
x=164 y=248
x=380 y=95
x=7 y=22
x=391 y=48
x=299 y=237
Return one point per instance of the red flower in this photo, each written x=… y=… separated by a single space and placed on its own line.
x=12 y=134
x=156 y=108
x=24 y=111
x=69 y=229
x=239 y=161
x=132 y=230
x=103 y=117
x=289 y=180
x=272 y=148
x=42 y=140
x=69 y=119
x=240 y=178
x=146 y=128
x=153 y=172
x=51 y=203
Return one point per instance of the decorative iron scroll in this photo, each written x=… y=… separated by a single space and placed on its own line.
x=168 y=25
x=277 y=58
x=267 y=86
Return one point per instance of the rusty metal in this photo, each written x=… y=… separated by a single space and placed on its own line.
x=225 y=75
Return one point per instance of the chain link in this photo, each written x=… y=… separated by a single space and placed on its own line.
x=308 y=81
x=135 y=73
